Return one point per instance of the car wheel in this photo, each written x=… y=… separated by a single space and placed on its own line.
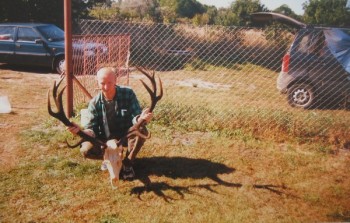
x=301 y=95
x=59 y=65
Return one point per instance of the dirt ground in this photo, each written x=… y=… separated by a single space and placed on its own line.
x=26 y=89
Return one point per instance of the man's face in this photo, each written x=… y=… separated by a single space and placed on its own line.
x=106 y=82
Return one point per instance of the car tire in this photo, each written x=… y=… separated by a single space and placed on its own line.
x=59 y=65
x=301 y=95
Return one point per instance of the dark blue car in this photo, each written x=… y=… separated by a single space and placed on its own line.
x=41 y=44
x=32 y=44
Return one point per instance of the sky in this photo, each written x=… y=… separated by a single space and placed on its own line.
x=295 y=5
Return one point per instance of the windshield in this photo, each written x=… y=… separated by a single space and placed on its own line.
x=52 y=33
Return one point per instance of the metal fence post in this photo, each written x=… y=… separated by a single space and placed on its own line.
x=68 y=55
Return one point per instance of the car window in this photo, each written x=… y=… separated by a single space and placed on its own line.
x=313 y=44
x=51 y=33
x=317 y=44
x=303 y=44
x=6 y=33
x=27 y=34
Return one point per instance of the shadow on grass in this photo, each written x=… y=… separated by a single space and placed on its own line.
x=185 y=168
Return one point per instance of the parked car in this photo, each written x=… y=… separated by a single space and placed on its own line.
x=316 y=68
x=39 y=44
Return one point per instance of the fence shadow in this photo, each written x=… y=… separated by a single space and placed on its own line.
x=185 y=168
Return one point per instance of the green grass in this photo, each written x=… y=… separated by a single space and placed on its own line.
x=235 y=164
x=240 y=177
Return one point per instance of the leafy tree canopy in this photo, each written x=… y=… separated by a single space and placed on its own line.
x=243 y=9
x=327 y=12
x=322 y=12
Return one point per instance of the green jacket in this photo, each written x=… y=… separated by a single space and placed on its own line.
x=127 y=108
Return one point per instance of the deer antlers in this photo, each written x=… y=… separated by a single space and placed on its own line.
x=135 y=129
x=60 y=115
x=153 y=91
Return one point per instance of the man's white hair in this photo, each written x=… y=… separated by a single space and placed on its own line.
x=105 y=70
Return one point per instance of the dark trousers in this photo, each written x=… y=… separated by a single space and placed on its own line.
x=133 y=143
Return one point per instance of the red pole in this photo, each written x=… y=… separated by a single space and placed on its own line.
x=68 y=55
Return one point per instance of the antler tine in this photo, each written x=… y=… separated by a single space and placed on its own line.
x=61 y=116
x=59 y=105
x=76 y=144
x=57 y=99
x=49 y=109
x=156 y=97
x=55 y=89
x=152 y=92
x=161 y=89
x=149 y=76
x=134 y=131
x=49 y=104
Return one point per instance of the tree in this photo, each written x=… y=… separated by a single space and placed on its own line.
x=326 y=12
x=189 y=8
x=207 y=18
x=285 y=10
x=102 y=12
x=212 y=12
x=42 y=10
x=243 y=9
x=173 y=9
x=153 y=11
x=140 y=10
x=226 y=17
x=168 y=10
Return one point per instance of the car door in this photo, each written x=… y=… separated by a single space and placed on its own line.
x=7 y=45
x=30 y=48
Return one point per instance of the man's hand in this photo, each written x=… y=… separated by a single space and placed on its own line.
x=75 y=129
x=146 y=115
x=112 y=143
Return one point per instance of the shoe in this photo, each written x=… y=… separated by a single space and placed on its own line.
x=104 y=166
x=128 y=173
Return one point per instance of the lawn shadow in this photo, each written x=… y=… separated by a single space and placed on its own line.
x=185 y=168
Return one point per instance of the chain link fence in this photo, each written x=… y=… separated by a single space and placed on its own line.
x=218 y=78
x=90 y=53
